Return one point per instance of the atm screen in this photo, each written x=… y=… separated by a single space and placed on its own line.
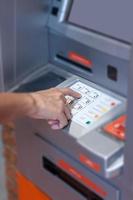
x=110 y=18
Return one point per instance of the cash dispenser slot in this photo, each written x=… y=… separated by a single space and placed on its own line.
x=77 y=186
x=72 y=62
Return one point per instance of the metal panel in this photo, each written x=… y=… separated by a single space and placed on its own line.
x=29 y=131
x=61 y=45
x=24 y=39
x=128 y=170
x=47 y=182
x=1 y=69
x=102 y=50
x=7 y=25
x=87 y=37
x=31 y=158
x=31 y=34
x=107 y=17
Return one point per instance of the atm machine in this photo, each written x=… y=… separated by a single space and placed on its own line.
x=89 y=46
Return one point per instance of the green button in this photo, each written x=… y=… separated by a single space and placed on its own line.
x=88 y=122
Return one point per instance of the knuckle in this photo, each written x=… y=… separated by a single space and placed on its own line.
x=60 y=95
x=60 y=110
x=61 y=104
x=57 y=90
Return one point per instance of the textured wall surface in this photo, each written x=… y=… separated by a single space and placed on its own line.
x=9 y=151
x=3 y=193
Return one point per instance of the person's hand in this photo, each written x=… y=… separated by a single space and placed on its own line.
x=51 y=105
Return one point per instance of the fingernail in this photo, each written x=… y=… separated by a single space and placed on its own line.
x=55 y=127
x=52 y=122
x=79 y=95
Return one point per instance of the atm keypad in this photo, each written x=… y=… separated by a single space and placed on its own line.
x=92 y=105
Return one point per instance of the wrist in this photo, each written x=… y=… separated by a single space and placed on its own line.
x=28 y=104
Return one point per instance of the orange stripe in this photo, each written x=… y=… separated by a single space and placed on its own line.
x=80 y=59
x=93 y=186
x=85 y=160
x=28 y=191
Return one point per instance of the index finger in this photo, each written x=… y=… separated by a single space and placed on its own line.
x=70 y=92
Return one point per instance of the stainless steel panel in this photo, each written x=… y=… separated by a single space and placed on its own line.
x=87 y=37
x=31 y=36
x=7 y=32
x=1 y=69
x=62 y=45
x=105 y=17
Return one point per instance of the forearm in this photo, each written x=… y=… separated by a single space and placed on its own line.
x=14 y=105
x=49 y=105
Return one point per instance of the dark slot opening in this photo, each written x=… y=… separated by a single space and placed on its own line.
x=55 y=11
x=65 y=59
x=46 y=81
x=80 y=188
x=112 y=73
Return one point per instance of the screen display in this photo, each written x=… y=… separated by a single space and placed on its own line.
x=93 y=104
x=111 y=18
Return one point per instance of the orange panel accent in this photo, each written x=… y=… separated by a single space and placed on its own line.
x=80 y=59
x=88 y=162
x=73 y=171
x=28 y=191
x=117 y=127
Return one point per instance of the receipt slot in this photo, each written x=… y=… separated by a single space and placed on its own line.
x=89 y=158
